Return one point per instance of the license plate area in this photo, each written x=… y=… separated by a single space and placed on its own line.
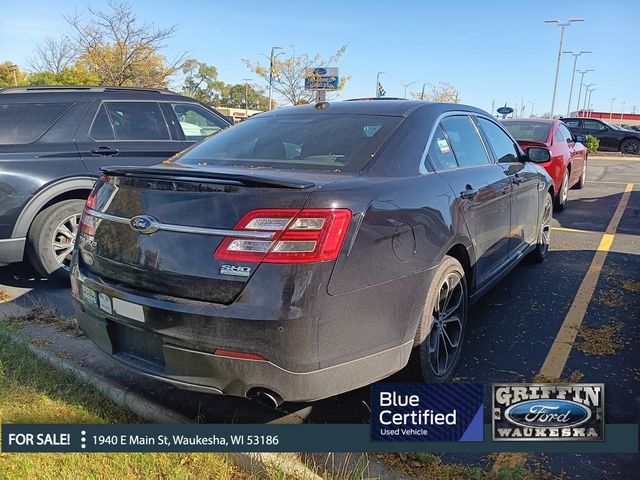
x=138 y=346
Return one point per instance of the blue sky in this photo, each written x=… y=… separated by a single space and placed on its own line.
x=490 y=50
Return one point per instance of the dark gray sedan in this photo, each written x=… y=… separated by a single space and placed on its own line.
x=310 y=250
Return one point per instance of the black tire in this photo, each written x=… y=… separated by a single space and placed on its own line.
x=563 y=193
x=630 y=145
x=544 y=234
x=48 y=227
x=429 y=336
x=582 y=181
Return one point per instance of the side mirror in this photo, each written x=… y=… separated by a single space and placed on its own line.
x=538 y=155
x=580 y=138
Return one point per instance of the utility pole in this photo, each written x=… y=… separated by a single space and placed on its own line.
x=582 y=72
x=271 y=75
x=246 y=97
x=378 y=84
x=573 y=75
x=562 y=26
x=611 y=109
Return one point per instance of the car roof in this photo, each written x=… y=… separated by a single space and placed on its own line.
x=80 y=92
x=531 y=120
x=366 y=106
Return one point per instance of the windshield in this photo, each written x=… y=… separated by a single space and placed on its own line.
x=529 y=131
x=308 y=141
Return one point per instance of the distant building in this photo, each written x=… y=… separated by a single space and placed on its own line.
x=614 y=117
x=238 y=114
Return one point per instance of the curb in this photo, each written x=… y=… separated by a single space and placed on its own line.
x=254 y=463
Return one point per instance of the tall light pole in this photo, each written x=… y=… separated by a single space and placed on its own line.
x=422 y=93
x=562 y=26
x=586 y=93
x=573 y=75
x=405 y=85
x=246 y=97
x=611 y=109
x=378 y=84
x=622 y=113
x=531 y=108
x=581 y=72
x=271 y=74
x=589 y=102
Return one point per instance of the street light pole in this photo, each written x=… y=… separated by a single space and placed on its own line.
x=562 y=26
x=589 y=103
x=405 y=85
x=378 y=84
x=611 y=109
x=622 y=113
x=573 y=75
x=581 y=72
x=531 y=108
x=586 y=93
x=422 y=94
x=271 y=74
x=246 y=97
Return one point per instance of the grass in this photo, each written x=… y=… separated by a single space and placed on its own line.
x=33 y=392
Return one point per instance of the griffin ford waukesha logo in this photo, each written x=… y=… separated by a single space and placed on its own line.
x=143 y=224
x=548 y=411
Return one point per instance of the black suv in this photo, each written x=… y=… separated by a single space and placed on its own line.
x=612 y=137
x=53 y=142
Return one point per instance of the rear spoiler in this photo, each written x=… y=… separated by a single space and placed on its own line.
x=259 y=179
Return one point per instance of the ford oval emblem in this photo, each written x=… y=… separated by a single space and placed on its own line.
x=547 y=413
x=143 y=224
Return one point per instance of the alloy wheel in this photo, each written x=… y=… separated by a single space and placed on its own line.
x=447 y=326
x=64 y=238
x=630 y=146
x=545 y=229
x=564 y=190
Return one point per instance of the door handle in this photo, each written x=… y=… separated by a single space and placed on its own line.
x=469 y=192
x=105 y=151
x=516 y=179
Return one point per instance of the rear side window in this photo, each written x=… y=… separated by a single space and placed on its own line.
x=26 y=122
x=465 y=140
x=574 y=123
x=197 y=122
x=129 y=121
x=440 y=151
x=329 y=142
x=593 y=125
x=503 y=147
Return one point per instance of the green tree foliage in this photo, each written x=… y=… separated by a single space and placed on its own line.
x=74 y=75
x=11 y=75
x=592 y=143
x=234 y=96
x=201 y=82
x=288 y=74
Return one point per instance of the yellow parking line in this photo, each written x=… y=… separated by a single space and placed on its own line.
x=574 y=230
x=561 y=348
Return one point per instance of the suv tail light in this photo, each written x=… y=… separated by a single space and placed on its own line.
x=88 y=221
x=300 y=236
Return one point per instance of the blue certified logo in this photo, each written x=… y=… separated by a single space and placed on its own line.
x=547 y=413
x=143 y=224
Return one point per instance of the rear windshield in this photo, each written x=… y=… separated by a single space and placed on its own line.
x=26 y=122
x=529 y=131
x=316 y=142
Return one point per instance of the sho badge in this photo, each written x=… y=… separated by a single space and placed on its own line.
x=235 y=270
x=539 y=411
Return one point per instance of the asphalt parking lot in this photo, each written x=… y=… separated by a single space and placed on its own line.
x=588 y=289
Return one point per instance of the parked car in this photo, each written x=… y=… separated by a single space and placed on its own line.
x=612 y=137
x=635 y=128
x=567 y=165
x=53 y=142
x=308 y=251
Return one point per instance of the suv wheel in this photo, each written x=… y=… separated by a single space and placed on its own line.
x=630 y=145
x=441 y=331
x=51 y=238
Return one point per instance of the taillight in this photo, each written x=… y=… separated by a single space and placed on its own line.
x=87 y=221
x=300 y=236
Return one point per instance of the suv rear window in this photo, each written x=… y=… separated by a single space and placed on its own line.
x=26 y=122
x=306 y=141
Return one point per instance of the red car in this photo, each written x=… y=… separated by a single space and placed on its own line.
x=568 y=164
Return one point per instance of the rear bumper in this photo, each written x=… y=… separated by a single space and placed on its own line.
x=343 y=343
x=206 y=372
x=12 y=250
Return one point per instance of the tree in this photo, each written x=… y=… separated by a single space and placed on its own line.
x=201 y=82
x=11 y=75
x=54 y=55
x=74 y=75
x=440 y=92
x=233 y=96
x=288 y=74
x=120 y=50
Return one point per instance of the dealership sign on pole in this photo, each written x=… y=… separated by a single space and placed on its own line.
x=321 y=79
